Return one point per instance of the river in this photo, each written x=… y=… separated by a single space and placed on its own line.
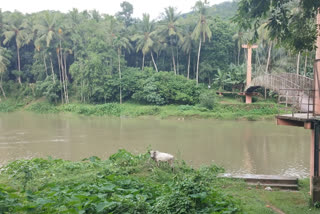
x=240 y=147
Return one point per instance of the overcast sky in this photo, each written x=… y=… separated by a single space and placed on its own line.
x=153 y=7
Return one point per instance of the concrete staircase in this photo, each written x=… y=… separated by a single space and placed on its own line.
x=273 y=181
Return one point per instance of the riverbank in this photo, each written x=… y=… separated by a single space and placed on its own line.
x=222 y=110
x=127 y=183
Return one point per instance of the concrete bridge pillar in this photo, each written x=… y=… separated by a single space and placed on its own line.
x=315 y=140
x=317 y=70
x=249 y=69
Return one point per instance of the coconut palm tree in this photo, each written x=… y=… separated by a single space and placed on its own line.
x=201 y=31
x=145 y=39
x=121 y=41
x=4 y=61
x=17 y=29
x=187 y=43
x=47 y=31
x=170 y=29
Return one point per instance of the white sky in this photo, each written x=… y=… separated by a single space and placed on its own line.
x=153 y=7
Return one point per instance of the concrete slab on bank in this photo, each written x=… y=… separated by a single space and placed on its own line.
x=273 y=181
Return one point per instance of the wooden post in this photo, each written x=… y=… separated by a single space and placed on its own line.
x=249 y=68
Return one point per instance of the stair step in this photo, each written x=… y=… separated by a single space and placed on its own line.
x=277 y=186
x=273 y=181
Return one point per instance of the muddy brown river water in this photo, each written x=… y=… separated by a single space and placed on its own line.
x=239 y=146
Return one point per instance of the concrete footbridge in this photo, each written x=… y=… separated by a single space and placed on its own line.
x=292 y=89
x=280 y=81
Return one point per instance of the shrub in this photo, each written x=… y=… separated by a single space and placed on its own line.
x=167 y=88
x=9 y=105
x=49 y=89
x=43 y=107
x=208 y=99
x=124 y=183
x=185 y=108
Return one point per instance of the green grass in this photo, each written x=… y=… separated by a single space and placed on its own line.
x=10 y=105
x=226 y=109
x=124 y=183
x=257 y=200
x=127 y=183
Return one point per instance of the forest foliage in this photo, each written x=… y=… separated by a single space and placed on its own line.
x=88 y=57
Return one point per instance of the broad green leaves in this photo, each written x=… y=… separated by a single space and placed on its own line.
x=124 y=183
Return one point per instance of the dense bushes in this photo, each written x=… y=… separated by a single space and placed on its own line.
x=125 y=183
x=208 y=99
x=148 y=87
x=166 y=88
x=50 y=89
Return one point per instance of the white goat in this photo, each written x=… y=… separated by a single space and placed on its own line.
x=161 y=156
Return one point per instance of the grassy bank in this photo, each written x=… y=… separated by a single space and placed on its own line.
x=231 y=110
x=124 y=183
x=127 y=183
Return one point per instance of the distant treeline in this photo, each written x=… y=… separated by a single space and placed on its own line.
x=97 y=58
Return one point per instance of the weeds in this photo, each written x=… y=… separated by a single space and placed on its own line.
x=124 y=183
x=252 y=112
x=9 y=105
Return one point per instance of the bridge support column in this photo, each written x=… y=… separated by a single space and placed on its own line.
x=317 y=70
x=248 y=99
x=315 y=142
x=249 y=68
x=315 y=164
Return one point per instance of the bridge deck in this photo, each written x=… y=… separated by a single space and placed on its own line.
x=303 y=117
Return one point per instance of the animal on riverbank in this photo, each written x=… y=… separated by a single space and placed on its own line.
x=163 y=157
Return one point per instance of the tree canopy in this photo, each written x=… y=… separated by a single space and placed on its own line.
x=290 y=22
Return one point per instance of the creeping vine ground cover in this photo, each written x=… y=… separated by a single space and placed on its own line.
x=124 y=183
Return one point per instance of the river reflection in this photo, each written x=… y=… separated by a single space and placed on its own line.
x=239 y=146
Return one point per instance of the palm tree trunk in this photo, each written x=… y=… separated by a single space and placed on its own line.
x=142 y=62
x=119 y=52
x=239 y=51
x=177 y=60
x=60 y=75
x=52 y=71
x=4 y=94
x=154 y=63
x=305 y=65
x=66 y=77
x=63 y=74
x=267 y=67
x=269 y=57
x=173 y=61
x=18 y=55
x=298 y=63
x=197 y=74
x=188 y=74
x=45 y=65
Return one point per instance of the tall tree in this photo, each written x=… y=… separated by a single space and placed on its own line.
x=121 y=41
x=201 y=31
x=145 y=40
x=47 y=31
x=17 y=29
x=4 y=61
x=170 y=29
x=125 y=14
x=187 y=43
x=294 y=28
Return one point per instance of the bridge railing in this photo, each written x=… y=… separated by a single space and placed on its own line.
x=277 y=81
x=299 y=100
